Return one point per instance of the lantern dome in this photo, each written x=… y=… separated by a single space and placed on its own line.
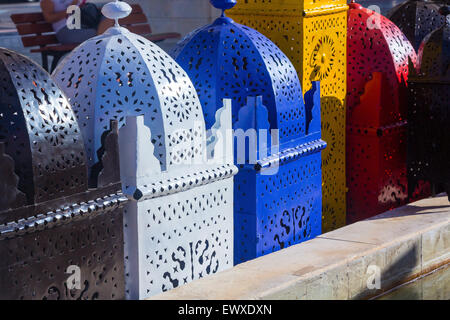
x=120 y=74
x=179 y=222
x=434 y=52
x=228 y=60
x=378 y=56
x=375 y=44
x=39 y=132
x=417 y=18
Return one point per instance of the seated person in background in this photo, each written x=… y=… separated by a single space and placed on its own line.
x=55 y=12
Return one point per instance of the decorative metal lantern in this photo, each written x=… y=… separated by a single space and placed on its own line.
x=378 y=54
x=51 y=225
x=179 y=221
x=313 y=35
x=429 y=111
x=417 y=18
x=272 y=209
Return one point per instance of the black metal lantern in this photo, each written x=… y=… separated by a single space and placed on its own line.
x=429 y=111
x=58 y=240
x=417 y=18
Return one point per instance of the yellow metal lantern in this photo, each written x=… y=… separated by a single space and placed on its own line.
x=313 y=34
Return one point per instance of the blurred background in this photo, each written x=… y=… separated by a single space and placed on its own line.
x=179 y=16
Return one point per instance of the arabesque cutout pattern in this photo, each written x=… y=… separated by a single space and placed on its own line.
x=272 y=207
x=417 y=18
x=232 y=61
x=119 y=74
x=378 y=54
x=52 y=227
x=429 y=112
x=178 y=222
x=45 y=141
x=313 y=35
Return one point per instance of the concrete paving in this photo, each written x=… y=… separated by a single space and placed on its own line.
x=400 y=244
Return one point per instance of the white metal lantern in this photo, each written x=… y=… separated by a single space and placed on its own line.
x=119 y=74
x=178 y=225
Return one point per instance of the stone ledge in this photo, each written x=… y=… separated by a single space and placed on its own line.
x=403 y=243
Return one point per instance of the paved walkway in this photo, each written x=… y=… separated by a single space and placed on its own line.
x=400 y=244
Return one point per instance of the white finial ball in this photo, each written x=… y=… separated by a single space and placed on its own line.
x=116 y=10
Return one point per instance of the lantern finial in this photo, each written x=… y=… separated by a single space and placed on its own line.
x=354 y=5
x=223 y=4
x=116 y=10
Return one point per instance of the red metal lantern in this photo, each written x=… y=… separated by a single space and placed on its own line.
x=377 y=71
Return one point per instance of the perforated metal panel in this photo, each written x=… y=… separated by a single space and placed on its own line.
x=371 y=48
x=417 y=18
x=36 y=265
x=272 y=210
x=119 y=74
x=277 y=202
x=39 y=131
x=429 y=112
x=313 y=35
x=50 y=223
x=184 y=237
x=179 y=225
x=378 y=54
x=229 y=60
x=434 y=54
x=287 y=206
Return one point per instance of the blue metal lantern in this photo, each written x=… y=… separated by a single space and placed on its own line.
x=277 y=196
